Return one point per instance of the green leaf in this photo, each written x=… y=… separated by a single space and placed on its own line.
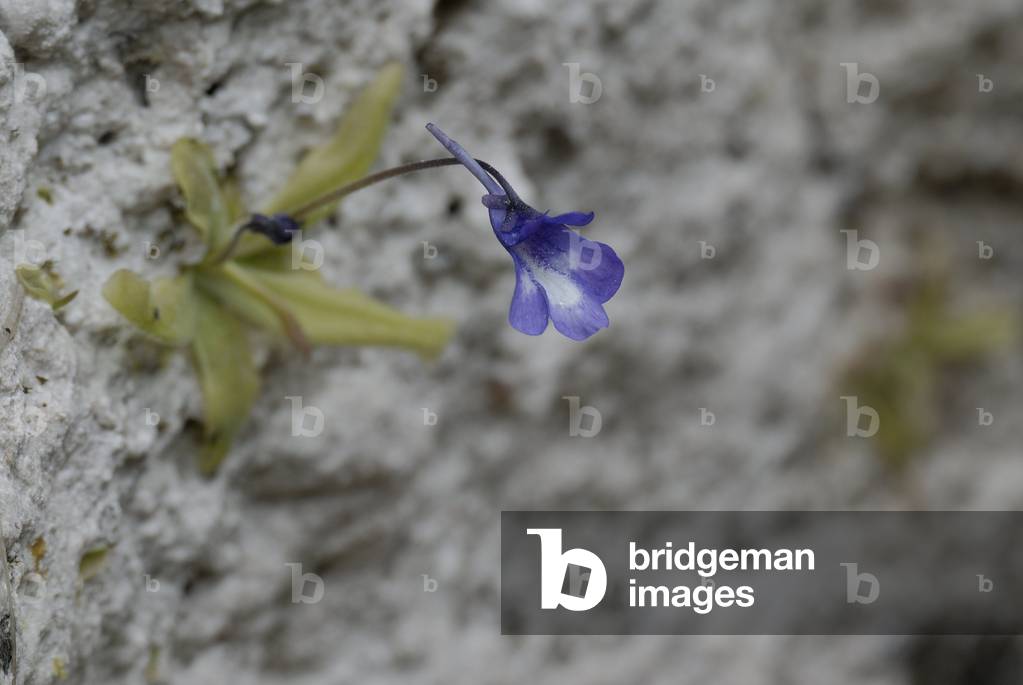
x=43 y=284
x=329 y=316
x=251 y=295
x=349 y=154
x=280 y=259
x=970 y=336
x=324 y=315
x=347 y=157
x=205 y=205
x=91 y=563
x=245 y=304
x=228 y=378
x=232 y=194
x=165 y=308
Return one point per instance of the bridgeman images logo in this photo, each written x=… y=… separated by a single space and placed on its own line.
x=575 y=580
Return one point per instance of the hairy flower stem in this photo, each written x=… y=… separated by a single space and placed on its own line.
x=366 y=181
x=333 y=196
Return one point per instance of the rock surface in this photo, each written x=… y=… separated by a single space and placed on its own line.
x=720 y=128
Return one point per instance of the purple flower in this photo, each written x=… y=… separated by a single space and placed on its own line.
x=559 y=275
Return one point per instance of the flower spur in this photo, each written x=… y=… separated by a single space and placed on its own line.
x=559 y=275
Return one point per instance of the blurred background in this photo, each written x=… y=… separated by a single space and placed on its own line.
x=817 y=205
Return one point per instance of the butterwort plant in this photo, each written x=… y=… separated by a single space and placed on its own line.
x=242 y=280
x=207 y=307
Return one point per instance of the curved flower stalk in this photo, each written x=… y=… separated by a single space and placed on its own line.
x=243 y=281
x=559 y=275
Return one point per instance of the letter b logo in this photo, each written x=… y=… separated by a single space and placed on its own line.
x=299 y=582
x=853 y=79
x=298 y=414
x=576 y=78
x=556 y=566
x=855 y=580
x=576 y=413
x=854 y=249
x=853 y=412
x=298 y=80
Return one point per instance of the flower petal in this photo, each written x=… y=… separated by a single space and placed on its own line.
x=579 y=320
x=517 y=226
x=528 y=312
x=598 y=268
x=576 y=313
x=577 y=275
x=593 y=266
x=572 y=218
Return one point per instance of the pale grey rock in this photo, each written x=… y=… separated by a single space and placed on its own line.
x=767 y=168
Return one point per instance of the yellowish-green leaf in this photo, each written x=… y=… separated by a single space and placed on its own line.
x=165 y=308
x=330 y=316
x=970 y=336
x=152 y=670
x=59 y=668
x=349 y=154
x=232 y=193
x=325 y=315
x=288 y=258
x=205 y=205
x=43 y=284
x=91 y=563
x=227 y=376
x=257 y=293
x=346 y=157
x=245 y=304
